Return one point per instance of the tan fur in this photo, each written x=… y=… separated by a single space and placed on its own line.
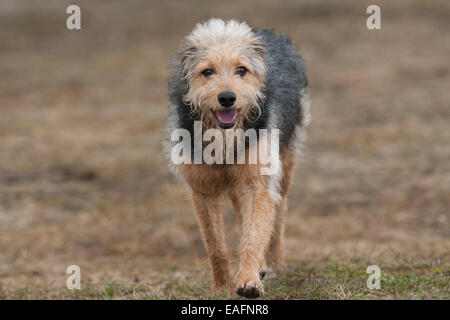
x=261 y=222
x=209 y=214
x=223 y=48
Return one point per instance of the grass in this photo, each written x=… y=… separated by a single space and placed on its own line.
x=313 y=281
x=339 y=281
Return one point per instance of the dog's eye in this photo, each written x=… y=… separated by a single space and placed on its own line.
x=242 y=71
x=207 y=72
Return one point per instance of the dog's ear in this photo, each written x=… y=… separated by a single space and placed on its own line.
x=188 y=56
x=187 y=53
x=259 y=48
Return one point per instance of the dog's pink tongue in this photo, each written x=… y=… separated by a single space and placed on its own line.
x=227 y=116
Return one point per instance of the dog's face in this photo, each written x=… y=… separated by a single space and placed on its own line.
x=224 y=67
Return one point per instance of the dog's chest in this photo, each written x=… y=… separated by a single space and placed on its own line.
x=215 y=179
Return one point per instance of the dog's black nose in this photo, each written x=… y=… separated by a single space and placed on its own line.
x=226 y=99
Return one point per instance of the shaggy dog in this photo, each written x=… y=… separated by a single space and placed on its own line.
x=228 y=76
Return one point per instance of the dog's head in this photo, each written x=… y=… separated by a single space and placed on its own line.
x=223 y=64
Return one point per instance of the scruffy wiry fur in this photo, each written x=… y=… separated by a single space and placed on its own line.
x=271 y=95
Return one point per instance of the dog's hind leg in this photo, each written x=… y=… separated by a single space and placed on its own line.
x=236 y=206
x=209 y=213
x=274 y=253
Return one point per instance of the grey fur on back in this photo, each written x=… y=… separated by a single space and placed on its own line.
x=286 y=82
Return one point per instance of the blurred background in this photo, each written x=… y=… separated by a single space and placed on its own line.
x=83 y=179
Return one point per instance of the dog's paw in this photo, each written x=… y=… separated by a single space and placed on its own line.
x=262 y=274
x=267 y=273
x=251 y=289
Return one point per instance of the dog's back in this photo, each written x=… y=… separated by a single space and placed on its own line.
x=285 y=106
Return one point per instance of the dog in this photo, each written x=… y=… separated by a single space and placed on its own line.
x=227 y=76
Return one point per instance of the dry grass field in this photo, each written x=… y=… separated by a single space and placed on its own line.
x=83 y=179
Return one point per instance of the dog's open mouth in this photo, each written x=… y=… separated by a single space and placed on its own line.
x=226 y=118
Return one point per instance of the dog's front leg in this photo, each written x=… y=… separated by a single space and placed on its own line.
x=209 y=214
x=257 y=212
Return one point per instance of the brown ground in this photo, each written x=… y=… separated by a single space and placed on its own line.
x=83 y=179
